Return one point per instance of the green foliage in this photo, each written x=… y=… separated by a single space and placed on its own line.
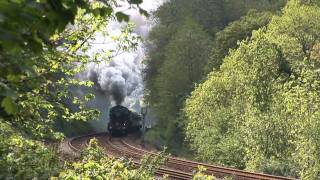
x=43 y=45
x=185 y=58
x=40 y=55
x=93 y=164
x=237 y=8
x=259 y=111
x=236 y=31
x=167 y=77
x=199 y=175
x=29 y=24
x=22 y=158
x=73 y=128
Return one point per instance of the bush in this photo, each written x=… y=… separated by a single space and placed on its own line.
x=93 y=164
x=22 y=158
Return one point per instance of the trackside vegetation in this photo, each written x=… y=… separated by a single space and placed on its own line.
x=189 y=39
x=229 y=82
x=43 y=45
x=260 y=110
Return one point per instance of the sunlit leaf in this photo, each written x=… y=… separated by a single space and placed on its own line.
x=9 y=105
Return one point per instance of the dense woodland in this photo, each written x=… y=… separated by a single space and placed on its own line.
x=189 y=40
x=231 y=82
x=237 y=83
x=43 y=44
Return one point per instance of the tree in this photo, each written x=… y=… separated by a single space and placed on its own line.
x=43 y=44
x=22 y=158
x=94 y=164
x=236 y=31
x=34 y=52
x=212 y=16
x=260 y=110
x=186 y=57
x=236 y=8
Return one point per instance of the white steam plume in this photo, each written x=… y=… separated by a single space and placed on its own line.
x=119 y=81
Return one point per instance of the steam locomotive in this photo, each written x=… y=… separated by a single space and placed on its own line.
x=123 y=121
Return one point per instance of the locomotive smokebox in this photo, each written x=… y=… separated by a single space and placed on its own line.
x=123 y=121
x=119 y=113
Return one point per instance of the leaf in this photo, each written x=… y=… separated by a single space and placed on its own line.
x=6 y=91
x=9 y=105
x=135 y=1
x=13 y=77
x=122 y=17
x=106 y=11
x=144 y=12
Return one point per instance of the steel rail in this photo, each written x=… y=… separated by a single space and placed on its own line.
x=161 y=171
x=174 y=174
x=132 y=151
x=214 y=170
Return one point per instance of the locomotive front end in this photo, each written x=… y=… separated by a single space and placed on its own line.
x=123 y=121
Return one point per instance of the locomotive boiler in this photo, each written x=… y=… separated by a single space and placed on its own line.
x=123 y=121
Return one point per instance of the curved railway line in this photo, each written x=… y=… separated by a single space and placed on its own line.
x=175 y=168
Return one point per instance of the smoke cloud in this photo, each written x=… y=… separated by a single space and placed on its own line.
x=118 y=91
x=119 y=81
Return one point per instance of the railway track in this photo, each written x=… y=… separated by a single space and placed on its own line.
x=176 y=168
x=114 y=149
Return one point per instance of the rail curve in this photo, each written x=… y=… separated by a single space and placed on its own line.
x=175 y=168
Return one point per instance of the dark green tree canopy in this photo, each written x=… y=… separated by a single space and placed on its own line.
x=236 y=31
